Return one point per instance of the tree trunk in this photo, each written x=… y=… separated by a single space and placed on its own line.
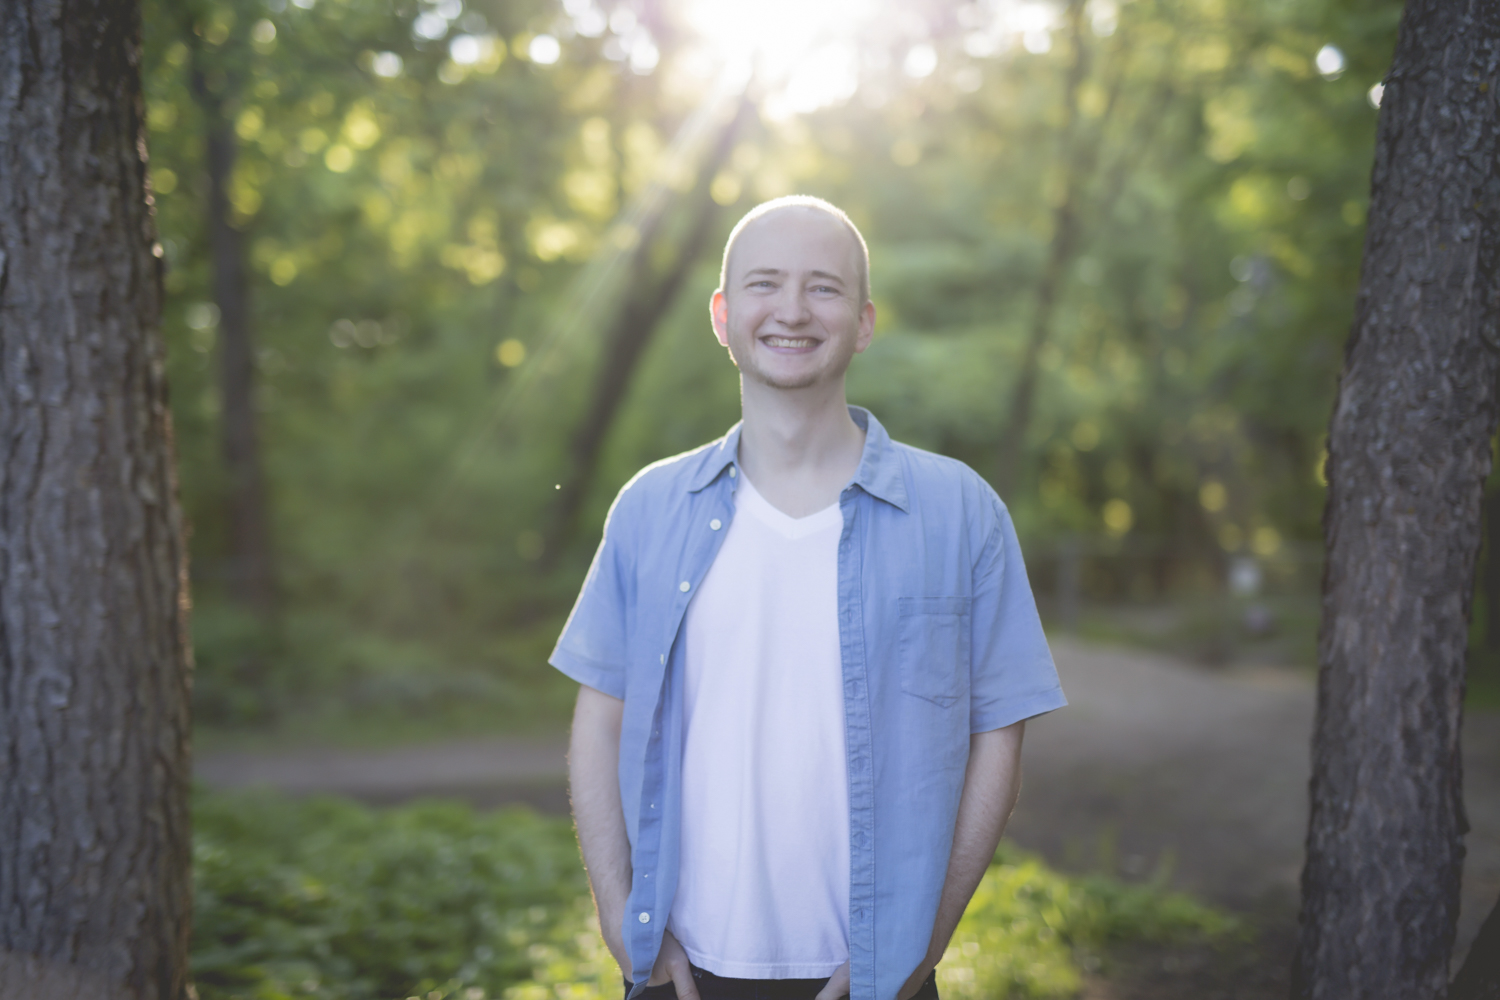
x=1054 y=270
x=250 y=573
x=95 y=888
x=1408 y=453
x=1079 y=165
x=648 y=299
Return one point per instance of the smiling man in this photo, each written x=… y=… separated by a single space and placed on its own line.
x=807 y=654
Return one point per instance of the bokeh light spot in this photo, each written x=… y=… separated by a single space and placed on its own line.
x=339 y=158
x=1118 y=517
x=1213 y=496
x=544 y=49
x=1265 y=541
x=510 y=353
x=1330 y=62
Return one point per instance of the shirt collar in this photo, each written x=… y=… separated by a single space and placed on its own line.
x=879 y=474
x=717 y=457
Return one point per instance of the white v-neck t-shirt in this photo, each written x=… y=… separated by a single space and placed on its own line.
x=763 y=885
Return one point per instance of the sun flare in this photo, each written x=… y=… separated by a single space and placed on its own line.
x=802 y=50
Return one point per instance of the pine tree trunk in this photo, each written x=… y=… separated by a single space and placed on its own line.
x=1060 y=253
x=1409 y=449
x=251 y=580
x=250 y=576
x=95 y=888
x=649 y=297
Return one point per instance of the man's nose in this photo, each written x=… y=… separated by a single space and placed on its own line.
x=791 y=307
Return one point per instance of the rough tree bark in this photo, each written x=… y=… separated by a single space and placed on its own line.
x=648 y=298
x=250 y=576
x=95 y=887
x=1409 y=449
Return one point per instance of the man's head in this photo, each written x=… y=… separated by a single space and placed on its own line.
x=808 y=202
x=793 y=305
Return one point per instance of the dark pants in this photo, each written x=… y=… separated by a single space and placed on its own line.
x=712 y=987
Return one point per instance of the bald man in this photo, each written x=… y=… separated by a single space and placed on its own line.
x=806 y=654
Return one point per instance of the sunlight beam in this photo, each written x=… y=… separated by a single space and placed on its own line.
x=802 y=51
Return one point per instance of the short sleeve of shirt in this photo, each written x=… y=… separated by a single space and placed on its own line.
x=1012 y=676
x=592 y=647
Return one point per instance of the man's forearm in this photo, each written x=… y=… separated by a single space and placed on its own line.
x=991 y=784
x=594 y=787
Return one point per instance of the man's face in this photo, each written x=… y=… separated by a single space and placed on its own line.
x=790 y=312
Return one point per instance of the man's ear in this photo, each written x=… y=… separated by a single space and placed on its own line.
x=718 y=314
x=866 y=327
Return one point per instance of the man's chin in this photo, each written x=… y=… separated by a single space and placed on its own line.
x=806 y=381
x=788 y=380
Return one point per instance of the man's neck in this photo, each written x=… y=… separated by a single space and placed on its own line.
x=798 y=446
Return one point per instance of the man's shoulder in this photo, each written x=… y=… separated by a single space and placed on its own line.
x=672 y=477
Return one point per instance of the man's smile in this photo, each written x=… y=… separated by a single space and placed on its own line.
x=795 y=343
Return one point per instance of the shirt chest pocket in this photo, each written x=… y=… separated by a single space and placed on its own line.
x=933 y=647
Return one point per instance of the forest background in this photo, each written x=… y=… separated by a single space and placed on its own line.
x=463 y=253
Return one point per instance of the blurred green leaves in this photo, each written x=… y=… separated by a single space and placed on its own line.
x=326 y=900
x=1030 y=932
x=431 y=214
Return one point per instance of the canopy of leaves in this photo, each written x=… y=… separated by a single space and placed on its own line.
x=437 y=200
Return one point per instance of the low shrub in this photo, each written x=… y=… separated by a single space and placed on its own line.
x=324 y=899
x=1031 y=932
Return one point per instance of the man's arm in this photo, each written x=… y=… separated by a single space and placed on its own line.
x=594 y=786
x=991 y=784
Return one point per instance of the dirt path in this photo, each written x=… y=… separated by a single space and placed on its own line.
x=1155 y=762
x=486 y=772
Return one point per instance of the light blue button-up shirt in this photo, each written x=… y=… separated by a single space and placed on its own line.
x=938 y=635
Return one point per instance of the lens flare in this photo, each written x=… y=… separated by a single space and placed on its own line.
x=802 y=51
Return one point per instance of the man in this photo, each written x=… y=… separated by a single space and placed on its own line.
x=806 y=655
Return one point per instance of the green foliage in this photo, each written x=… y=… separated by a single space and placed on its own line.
x=415 y=193
x=1028 y=929
x=326 y=899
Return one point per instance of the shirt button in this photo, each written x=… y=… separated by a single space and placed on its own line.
x=733 y=472
x=716 y=524
x=645 y=917
x=684 y=586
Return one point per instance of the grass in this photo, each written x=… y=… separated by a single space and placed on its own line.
x=323 y=899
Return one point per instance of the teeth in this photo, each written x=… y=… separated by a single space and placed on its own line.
x=790 y=341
